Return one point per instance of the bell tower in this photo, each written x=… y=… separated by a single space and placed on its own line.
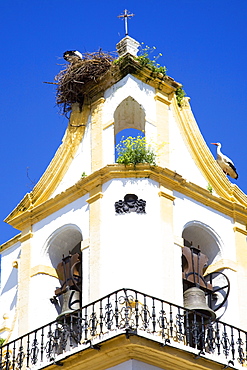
x=120 y=264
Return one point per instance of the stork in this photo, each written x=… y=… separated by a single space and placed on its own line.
x=225 y=163
x=72 y=56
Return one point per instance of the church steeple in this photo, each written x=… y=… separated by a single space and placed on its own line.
x=147 y=226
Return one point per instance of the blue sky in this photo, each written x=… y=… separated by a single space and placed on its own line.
x=203 y=43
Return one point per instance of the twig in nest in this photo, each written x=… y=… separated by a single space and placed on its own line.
x=51 y=83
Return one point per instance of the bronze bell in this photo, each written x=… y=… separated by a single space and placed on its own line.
x=195 y=299
x=71 y=302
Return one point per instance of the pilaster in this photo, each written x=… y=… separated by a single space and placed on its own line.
x=167 y=241
x=97 y=133
x=94 y=201
x=24 y=281
x=162 y=119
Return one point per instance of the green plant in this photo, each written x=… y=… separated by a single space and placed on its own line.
x=210 y=188
x=135 y=150
x=180 y=94
x=83 y=175
x=2 y=341
x=145 y=60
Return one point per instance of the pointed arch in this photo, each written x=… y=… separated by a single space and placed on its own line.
x=129 y=120
x=129 y=114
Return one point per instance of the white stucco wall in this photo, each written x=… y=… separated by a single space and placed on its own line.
x=132 y=252
x=129 y=86
x=180 y=157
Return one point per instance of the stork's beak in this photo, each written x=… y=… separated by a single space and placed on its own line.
x=215 y=144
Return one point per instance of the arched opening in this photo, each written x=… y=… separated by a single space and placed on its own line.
x=64 y=240
x=203 y=247
x=129 y=120
x=203 y=236
x=64 y=252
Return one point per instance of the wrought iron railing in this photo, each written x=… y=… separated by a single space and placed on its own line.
x=131 y=312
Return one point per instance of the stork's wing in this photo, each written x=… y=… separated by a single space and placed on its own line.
x=232 y=166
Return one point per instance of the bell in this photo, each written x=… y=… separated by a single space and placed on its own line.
x=71 y=302
x=195 y=299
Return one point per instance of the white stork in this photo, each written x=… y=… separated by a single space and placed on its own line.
x=72 y=56
x=225 y=163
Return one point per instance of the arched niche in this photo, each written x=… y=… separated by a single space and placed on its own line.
x=204 y=237
x=62 y=241
x=129 y=114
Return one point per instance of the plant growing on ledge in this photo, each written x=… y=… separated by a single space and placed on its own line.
x=180 y=94
x=146 y=61
x=134 y=150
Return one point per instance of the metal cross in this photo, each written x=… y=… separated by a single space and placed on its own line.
x=126 y=15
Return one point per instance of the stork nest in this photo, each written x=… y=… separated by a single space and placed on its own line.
x=72 y=81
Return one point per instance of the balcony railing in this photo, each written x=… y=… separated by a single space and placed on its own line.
x=130 y=312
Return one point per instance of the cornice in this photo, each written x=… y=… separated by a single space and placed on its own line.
x=163 y=176
x=129 y=65
x=10 y=242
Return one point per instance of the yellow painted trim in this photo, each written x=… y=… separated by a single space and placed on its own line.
x=163 y=130
x=10 y=242
x=244 y=232
x=15 y=264
x=95 y=241
x=25 y=237
x=220 y=265
x=23 y=297
x=95 y=197
x=96 y=134
x=162 y=98
x=165 y=195
x=165 y=177
x=108 y=124
x=42 y=269
x=85 y=244
x=98 y=102
x=121 y=349
x=4 y=328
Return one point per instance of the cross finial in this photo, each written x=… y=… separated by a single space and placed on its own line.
x=125 y=16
